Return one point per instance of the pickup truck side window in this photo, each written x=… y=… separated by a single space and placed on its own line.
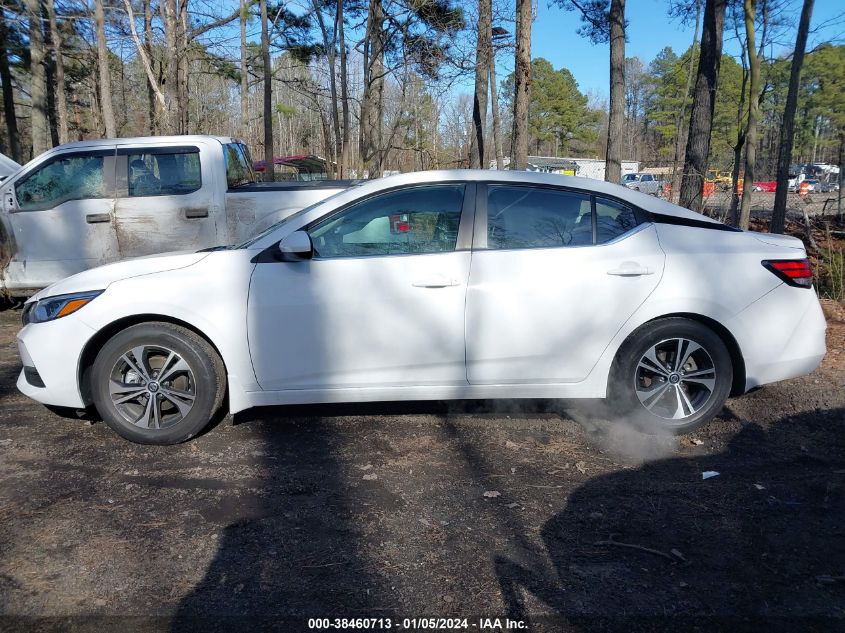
x=66 y=177
x=612 y=220
x=415 y=220
x=164 y=173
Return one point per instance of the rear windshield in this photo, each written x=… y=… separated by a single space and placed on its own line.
x=238 y=165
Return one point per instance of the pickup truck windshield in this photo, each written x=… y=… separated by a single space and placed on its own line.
x=238 y=165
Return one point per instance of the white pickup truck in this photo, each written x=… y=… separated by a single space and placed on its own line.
x=88 y=203
x=647 y=183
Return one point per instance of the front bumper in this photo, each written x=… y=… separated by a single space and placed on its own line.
x=50 y=353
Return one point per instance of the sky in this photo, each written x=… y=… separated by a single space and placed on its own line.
x=649 y=30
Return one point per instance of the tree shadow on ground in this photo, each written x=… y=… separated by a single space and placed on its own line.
x=759 y=545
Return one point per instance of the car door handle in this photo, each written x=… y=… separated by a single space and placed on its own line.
x=191 y=214
x=94 y=218
x=630 y=269
x=437 y=281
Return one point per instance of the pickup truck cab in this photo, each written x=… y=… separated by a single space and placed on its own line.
x=646 y=183
x=84 y=204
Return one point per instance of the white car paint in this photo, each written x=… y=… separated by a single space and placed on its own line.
x=466 y=324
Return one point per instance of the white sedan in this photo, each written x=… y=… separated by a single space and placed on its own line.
x=430 y=286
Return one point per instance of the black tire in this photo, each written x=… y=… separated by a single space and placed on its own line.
x=205 y=378
x=628 y=374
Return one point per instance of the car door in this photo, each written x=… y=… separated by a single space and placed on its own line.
x=165 y=200
x=381 y=304
x=555 y=274
x=60 y=213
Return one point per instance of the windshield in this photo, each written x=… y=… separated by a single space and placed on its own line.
x=629 y=177
x=294 y=216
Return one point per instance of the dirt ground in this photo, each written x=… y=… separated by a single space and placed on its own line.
x=417 y=510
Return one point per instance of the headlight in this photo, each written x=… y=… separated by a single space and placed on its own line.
x=52 y=308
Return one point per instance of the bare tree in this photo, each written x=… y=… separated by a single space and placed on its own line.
x=522 y=84
x=703 y=105
x=344 y=90
x=40 y=127
x=483 y=55
x=750 y=10
x=682 y=109
x=616 y=119
x=787 y=130
x=372 y=101
x=268 y=94
x=152 y=111
x=61 y=98
x=244 y=69
x=106 y=107
x=494 y=107
x=8 y=95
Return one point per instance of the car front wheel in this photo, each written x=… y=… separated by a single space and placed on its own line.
x=157 y=383
x=671 y=376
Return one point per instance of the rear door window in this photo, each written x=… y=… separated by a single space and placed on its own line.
x=533 y=217
x=164 y=172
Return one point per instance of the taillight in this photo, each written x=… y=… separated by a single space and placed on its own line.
x=795 y=272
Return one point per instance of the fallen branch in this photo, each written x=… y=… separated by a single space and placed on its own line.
x=641 y=548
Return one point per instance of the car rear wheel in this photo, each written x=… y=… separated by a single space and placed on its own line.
x=672 y=375
x=157 y=383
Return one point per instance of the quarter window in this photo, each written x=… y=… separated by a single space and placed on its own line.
x=163 y=173
x=75 y=177
x=527 y=217
x=418 y=220
x=612 y=220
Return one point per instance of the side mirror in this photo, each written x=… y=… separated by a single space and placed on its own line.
x=296 y=247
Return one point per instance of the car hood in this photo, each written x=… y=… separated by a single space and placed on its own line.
x=100 y=278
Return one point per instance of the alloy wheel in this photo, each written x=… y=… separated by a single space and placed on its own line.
x=152 y=387
x=675 y=379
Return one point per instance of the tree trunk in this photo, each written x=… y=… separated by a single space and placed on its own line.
x=522 y=83
x=703 y=106
x=39 y=123
x=679 y=119
x=733 y=214
x=483 y=53
x=170 y=116
x=344 y=91
x=104 y=71
x=182 y=61
x=244 y=71
x=330 y=46
x=494 y=107
x=373 y=97
x=750 y=8
x=268 y=95
x=61 y=98
x=787 y=130
x=8 y=96
x=50 y=70
x=148 y=48
x=616 y=119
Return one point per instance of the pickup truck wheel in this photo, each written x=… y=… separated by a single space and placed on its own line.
x=157 y=383
x=671 y=376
